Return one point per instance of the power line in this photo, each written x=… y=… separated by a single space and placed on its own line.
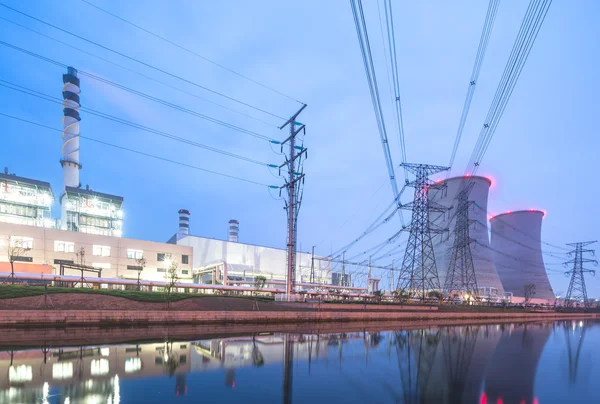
x=189 y=51
x=142 y=62
x=488 y=25
x=56 y=100
x=532 y=22
x=144 y=154
x=138 y=73
x=365 y=48
x=144 y=95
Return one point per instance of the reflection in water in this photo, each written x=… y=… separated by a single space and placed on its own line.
x=463 y=364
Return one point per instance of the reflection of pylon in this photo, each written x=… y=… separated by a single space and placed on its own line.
x=574 y=356
x=458 y=346
x=419 y=272
x=461 y=272
x=416 y=352
x=577 y=291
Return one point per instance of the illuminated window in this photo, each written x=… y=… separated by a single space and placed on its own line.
x=101 y=250
x=133 y=365
x=135 y=254
x=24 y=242
x=104 y=351
x=22 y=373
x=99 y=367
x=62 y=370
x=64 y=246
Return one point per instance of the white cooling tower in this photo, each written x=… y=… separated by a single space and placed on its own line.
x=517 y=245
x=444 y=193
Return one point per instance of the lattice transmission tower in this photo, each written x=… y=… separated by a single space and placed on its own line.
x=418 y=273
x=460 y=278
x=577 y=291
x=293 y=183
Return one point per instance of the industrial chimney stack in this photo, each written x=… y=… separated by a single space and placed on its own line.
x=234 y=230
x=70 y=134
x=184 y=221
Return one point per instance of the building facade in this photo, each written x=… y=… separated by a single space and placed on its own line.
x=117 y=257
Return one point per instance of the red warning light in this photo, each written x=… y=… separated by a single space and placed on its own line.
x=467 y=175
x=499 y=400
x=509 y=212
x=536 y=401
x=483 y=399
x=438 y=181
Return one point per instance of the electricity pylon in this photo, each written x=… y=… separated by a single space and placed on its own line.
x=461 y=278
x=418 y=273
x=577 y=291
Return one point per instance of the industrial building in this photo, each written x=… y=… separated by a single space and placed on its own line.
x=227 y=262
x=444 y=194
x=25 y=201
x=517 y=252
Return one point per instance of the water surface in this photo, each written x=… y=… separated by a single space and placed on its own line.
x=552 y=362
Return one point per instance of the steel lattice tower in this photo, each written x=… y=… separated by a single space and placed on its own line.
x=577 y=290
x=419 y=272
x=461 y=271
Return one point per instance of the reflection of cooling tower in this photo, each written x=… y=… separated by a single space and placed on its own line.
x=511 y=375
x=517 y=245
x=445 y=194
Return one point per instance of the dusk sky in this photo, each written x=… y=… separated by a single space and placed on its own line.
x=542 y=156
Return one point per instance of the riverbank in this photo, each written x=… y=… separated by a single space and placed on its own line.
x=70 y=318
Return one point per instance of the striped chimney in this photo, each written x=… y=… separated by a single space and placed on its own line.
x=70 y=135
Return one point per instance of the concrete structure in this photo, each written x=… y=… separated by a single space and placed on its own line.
x=116 y=256
x=25 y=201
x=184 y=221
x=444 y=194
x=517 y=252
x=82 y=210
x=227 y=262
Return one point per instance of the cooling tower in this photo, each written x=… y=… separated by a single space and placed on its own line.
x=517 y=250
x=444 y=194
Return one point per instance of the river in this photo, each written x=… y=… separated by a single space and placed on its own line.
x=530 y=363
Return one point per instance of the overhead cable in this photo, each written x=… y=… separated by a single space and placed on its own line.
x=144 y=153
x=189 y=50
x=488 y=25
x=143 y=63
x=113 y=118
x=144 y=95
x=365 y=48
x=139 y=73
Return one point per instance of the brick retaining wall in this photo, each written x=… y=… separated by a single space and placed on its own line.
x=32 y=318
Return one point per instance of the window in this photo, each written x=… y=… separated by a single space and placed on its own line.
x=135 y=267
x=62 y=370
x=99 y=367
x=161 y=270
x=160 y=256
x=184 y=271
x=133 y=365
x=20 y=374
x=24 y=242
x=64 y=246
x=64 y=262
x=135 y=254
x=185 y=259
x=22 y=259
x=101 y=250
x=184 y=346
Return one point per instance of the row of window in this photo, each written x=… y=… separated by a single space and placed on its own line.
x=97 y=250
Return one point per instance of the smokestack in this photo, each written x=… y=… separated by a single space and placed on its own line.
x=234 y=230
x=184 y=221
x=70 y=135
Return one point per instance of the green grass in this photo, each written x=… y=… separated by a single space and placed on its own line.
x=14 y=291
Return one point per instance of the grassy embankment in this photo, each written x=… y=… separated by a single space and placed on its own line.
x=16 y=291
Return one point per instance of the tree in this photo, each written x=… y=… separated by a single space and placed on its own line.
x=529 y=293
x=378 y=295
x=172 y=278
x=400 y=294
x=16 y=248
x=80 y=256
x=259 y=283
x=435 y=294
x=141 y=264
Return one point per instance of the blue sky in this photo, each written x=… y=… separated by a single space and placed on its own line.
x=542 y=155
